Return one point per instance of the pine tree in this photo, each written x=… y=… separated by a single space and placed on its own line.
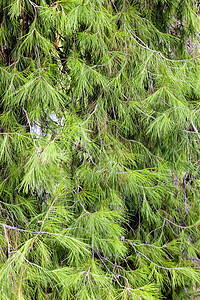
x=99 y=149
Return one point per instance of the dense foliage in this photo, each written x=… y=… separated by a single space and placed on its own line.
x=99 y=149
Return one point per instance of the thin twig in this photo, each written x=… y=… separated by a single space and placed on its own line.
x=6 y=236
x=195 y=129
x=89 y=115
x=29 y=123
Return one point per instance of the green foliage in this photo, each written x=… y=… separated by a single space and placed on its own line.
x=99 y=149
